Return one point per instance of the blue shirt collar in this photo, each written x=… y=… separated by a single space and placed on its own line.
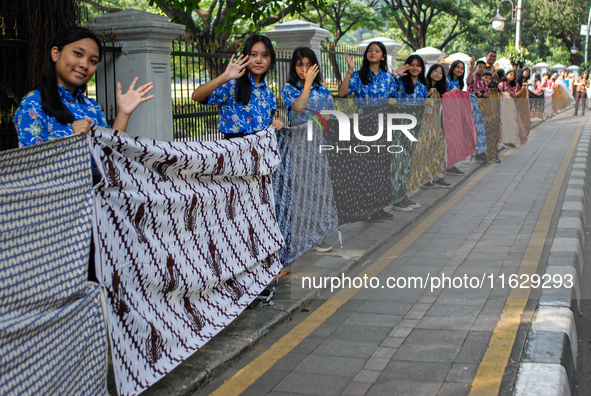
x=66 y=94
x=262 y=84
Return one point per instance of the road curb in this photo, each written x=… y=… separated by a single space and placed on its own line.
x=548 y=366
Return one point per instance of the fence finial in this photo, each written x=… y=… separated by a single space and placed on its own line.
x=3 y=26
x=15 y=28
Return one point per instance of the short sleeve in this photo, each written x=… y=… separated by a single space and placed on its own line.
x=220 y=95
x=290 y=94
x=354 y=83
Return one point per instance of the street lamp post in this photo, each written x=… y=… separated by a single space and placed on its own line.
x=498 y=22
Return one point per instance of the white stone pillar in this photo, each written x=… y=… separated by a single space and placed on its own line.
x=293 y=34
x=392 y=48
x=431 y=56
x=145 y=52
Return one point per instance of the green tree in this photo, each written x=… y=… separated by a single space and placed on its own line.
x=435 y=22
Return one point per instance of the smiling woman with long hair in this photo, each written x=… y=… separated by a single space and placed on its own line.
x=58 y=107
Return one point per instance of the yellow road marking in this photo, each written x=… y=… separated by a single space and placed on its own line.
x=489 y=376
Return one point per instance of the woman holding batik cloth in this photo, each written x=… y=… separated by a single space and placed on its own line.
x=304 y=91
x=455 y=80
x=372 y=86
x=510 y=128
x=522 y=100
x=411 y=89
x=428 y=161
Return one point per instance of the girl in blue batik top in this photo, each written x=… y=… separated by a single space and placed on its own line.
x=373 y=84
x=304 y=90
x=247 y=104
x=411 y=84
x=455 y=76
x=58 y=108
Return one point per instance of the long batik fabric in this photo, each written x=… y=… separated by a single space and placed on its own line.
x=522 y=107
x=186 y=238
x=282 y=194
x=536 y=104
x=401 y=161
x=428 y=159
x=510 y=121
x=548 y=105
x=360 y=177
x=490 y=114
x=458 y=125
x=313 y=210
x=479 y=123
x=560 y=98
x=52 y=327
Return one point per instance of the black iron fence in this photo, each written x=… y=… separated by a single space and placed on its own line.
x=13 y=66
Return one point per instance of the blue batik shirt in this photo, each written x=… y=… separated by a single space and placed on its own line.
x=34 y=125
x=416 y=97
x=380 y=88
x=235 y=117
x=320 y=99
x=451 y=84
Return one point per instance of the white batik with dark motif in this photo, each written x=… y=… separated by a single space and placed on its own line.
x=186 y=238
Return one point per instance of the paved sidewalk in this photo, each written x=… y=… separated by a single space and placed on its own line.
x=492 y=240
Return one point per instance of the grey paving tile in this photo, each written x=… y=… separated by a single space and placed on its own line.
x=392 y=342
x=454 y=389
x=374 y=320
x=450 y=309
x=312 y=383
x=361 y=333
x=376 y=363
x=340 y=365
x=308 y=345
x=474 y=347
x=415 y=371
x=385 y=306
x=290 y=361
x=460 y=322
x=368 y=376
x=266 y=383
x=404 y=388
x=462 y=372
x=346 y=348
x=356 y=389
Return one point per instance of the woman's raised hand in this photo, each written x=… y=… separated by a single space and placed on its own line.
x=402 y=70
x=237 y=67
x=311 y=73
x=350 y=62
x=128 y=102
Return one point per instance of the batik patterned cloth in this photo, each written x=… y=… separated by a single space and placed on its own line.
x=548 y=105
x=458 y=125
x=360 y=181
x=510 y=128
x=490 y=114
x=401 y=162
x=186 y=238
x=428 y=159
x=304 y=203
x=313 y=210
x=522 y=107
x=560 y=98
x=52 y=326
x=536 y=105
x=479 y=123
x=282 y=194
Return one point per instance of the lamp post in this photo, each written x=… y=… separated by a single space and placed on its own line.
x=587 y=36
x=498 y=22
